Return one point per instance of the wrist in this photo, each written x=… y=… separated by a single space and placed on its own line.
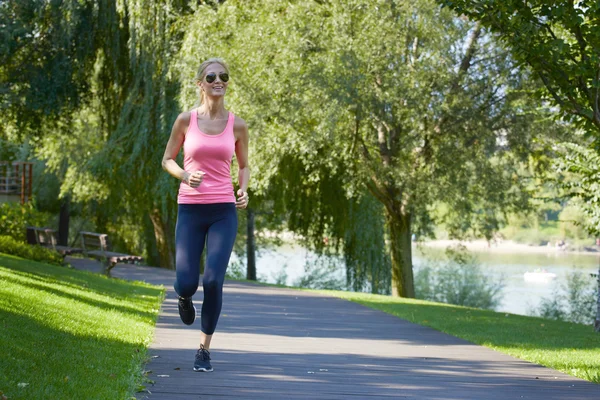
x=185 y=177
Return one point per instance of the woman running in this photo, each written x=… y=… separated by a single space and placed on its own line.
x=207 y=216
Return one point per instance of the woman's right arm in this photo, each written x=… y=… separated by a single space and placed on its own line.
x=174 y=145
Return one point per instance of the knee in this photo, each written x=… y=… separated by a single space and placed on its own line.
x=211 y=283
x=186 y=289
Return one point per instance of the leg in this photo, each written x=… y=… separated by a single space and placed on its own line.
x=190 y=235
x=219 y=244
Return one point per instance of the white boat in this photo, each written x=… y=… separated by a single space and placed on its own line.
x=539 y=275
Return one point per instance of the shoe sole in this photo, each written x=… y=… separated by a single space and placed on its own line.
x=192 y=319
x=203 y=370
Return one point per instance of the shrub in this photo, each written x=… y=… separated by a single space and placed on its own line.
x=321 y=273
x=458 y=280
x=572 y=221
x=14 y=217
x=236 y=270
x=9 y=245
x=573 y=301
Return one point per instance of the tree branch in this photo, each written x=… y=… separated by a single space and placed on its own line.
x=577 y=31
x=462 y=71
x=468 y=57
x=384 y=151
x=356 y=134
x=378 y=192
x=596 y=104
x=553 y=92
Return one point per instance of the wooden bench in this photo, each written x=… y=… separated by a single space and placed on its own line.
x=97 y=245
x=37 y=236
x=47 y=237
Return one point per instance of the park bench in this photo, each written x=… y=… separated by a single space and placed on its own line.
x=97 y=245
x=47 y=237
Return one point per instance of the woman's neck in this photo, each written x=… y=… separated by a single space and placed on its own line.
x=214 y=109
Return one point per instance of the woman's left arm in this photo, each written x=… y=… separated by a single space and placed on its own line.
x=241 y=152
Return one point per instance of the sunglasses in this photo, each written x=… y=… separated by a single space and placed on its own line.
x=210 y=78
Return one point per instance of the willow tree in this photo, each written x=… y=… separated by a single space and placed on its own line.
x=47 y=71
x=406 y=101
x=90 y=82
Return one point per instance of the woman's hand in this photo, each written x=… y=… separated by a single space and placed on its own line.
x=194 y=179
x=242 y=200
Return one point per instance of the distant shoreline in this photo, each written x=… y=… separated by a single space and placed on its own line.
x=505 y=246
x=478 y=245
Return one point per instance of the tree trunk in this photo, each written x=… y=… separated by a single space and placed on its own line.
x=63 y=221
x=250 y=246
x=401 y=247
x=164 y=241
x=597 y=322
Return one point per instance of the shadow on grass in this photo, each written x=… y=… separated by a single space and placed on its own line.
x=39 y=362
x=83 y=298
x=80 y=280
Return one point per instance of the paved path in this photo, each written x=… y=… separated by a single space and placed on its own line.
x=276 y=343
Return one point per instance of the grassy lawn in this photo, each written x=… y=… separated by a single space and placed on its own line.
x=68 y=334
x=571 y=348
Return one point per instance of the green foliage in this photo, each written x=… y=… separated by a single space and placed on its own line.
x=280 y=277
x=46 y=59
x=236 y=270
x=400 y=101
x=9 y=245
x=320 y=273
x=580 y=172
x=348 y=97
x=573 y=301
x=8 y=150
x=558 y=40
x=368 y=264
x=573 y=221
x=103 y=84
x=14 y=217
x=458 y=280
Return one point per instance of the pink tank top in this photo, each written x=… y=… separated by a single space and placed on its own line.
x=211 y=154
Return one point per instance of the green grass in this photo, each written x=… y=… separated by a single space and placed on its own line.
x=68 y=334
x=571 y=348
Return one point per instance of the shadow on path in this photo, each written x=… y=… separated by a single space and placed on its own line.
x=274 y=343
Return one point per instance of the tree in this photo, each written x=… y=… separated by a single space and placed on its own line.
x=402 y=100
x=45 y=61
x=560 y=42
x=583 y=167
x=89 y=84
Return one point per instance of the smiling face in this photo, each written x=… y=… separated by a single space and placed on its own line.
x=217 y=87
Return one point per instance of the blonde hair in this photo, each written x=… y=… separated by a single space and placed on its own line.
x=202 y=69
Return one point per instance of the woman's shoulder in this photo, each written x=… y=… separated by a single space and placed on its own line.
x=239 y=123
x=240 y=128
x=182 y=122
x=185 y=116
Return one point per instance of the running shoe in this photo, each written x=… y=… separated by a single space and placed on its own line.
x=187 y=311
x=202 y=362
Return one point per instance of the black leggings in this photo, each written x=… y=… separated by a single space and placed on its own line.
x=215 y=224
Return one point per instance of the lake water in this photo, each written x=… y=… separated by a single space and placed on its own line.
x=518 y=296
